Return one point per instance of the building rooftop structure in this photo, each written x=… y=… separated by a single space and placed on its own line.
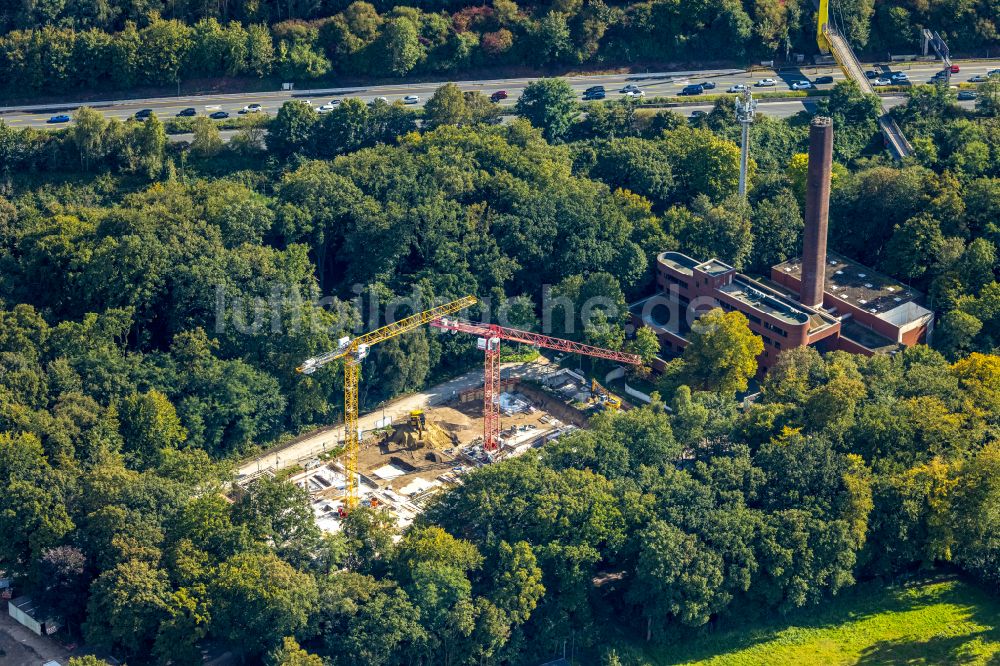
x=864 y=288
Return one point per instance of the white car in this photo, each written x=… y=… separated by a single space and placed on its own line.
x=801 y=85
x=899 y=77
x=252 y=108
x=880 y=81
x=979 y=78
x=766 y=83
x=411 y=99
x=630 y=88
x=634 y=94
x=738 y=88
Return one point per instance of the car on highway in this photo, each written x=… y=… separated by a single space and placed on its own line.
x=185 y=113
x=881 y=82
x=60 y=118
x=142 y=114
x=955 y=69
x=871 y=74
x=979 y=78
x=966 y=95
x=593 y=89
x=800 y=85
x=766 y=83
x=219 y=115
x=708 y=85
x=736 y=88
x=993 y=72
x=819 y=80
x=899 y=77
x=694 y=89
x=252 y=108
x=594 y=94
x=329 y=106
x=498 y=95
x=384 y=100
x=411 y=99
x=634 y=94
x=631 y=87
x=695 y=115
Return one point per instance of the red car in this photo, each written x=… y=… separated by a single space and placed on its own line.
x=954 y=69
x=498 y=95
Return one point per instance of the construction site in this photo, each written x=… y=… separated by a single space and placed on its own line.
x=401 y=465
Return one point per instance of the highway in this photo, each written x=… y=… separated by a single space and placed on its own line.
x=652 y=84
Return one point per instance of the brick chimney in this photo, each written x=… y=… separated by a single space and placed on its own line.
x=817 y=211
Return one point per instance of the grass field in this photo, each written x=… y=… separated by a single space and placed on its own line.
x=935 y=621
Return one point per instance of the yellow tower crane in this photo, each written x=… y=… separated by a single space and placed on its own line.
x=353 y=351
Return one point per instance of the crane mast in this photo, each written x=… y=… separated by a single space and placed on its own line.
x=490 y=336
x=353 y=351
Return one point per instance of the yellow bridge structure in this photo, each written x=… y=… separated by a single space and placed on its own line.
x=831 y=41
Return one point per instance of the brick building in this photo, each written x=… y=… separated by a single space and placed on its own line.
x=820 y=299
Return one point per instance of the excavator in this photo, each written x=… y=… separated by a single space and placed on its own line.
x=604 y=396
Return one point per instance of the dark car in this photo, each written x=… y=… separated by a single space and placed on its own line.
x=184 y=113
x=819 y=80
x=594 y=94
x=219 y=115
x=143 y=114
x=498 y=95
x=695 y=89
x=61 y=118
x=966 y=95
x=708 y=85
x=871 y=74
x=593 y=89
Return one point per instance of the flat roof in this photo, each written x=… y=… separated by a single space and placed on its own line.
x=866 y=337
x=758 y=298
x=866 y=289
x=714 y=267
x=679 y=262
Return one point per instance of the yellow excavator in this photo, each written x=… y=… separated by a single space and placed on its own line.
x=418 y=420
x=604 y=396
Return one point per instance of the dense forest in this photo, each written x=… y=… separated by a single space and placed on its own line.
x=54 y=45
x=155 y=299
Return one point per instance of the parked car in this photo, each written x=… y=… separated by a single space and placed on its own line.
x=594 y=94
x=251 y=108
x=899 y=77
x=634 y=94
x=801 y=85
x=708 y=85
x=631 y=87
x=955 y=69
x=965 y=95
x=219 y=115
x=142 y=114
x=736 y=88
x=819 y=80
x=979 y=78
x=61 y=118
x=993 y=72
x=881 y=82
x=766 y=83
x=411 y=99
x=871 y=74
x=185 y=113
x=692 y=90
x=498 y=95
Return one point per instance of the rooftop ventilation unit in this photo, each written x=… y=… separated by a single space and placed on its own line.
x=862 y=301
x=861 y=275
x=868 y=285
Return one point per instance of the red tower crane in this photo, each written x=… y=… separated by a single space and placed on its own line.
x=490 y=336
